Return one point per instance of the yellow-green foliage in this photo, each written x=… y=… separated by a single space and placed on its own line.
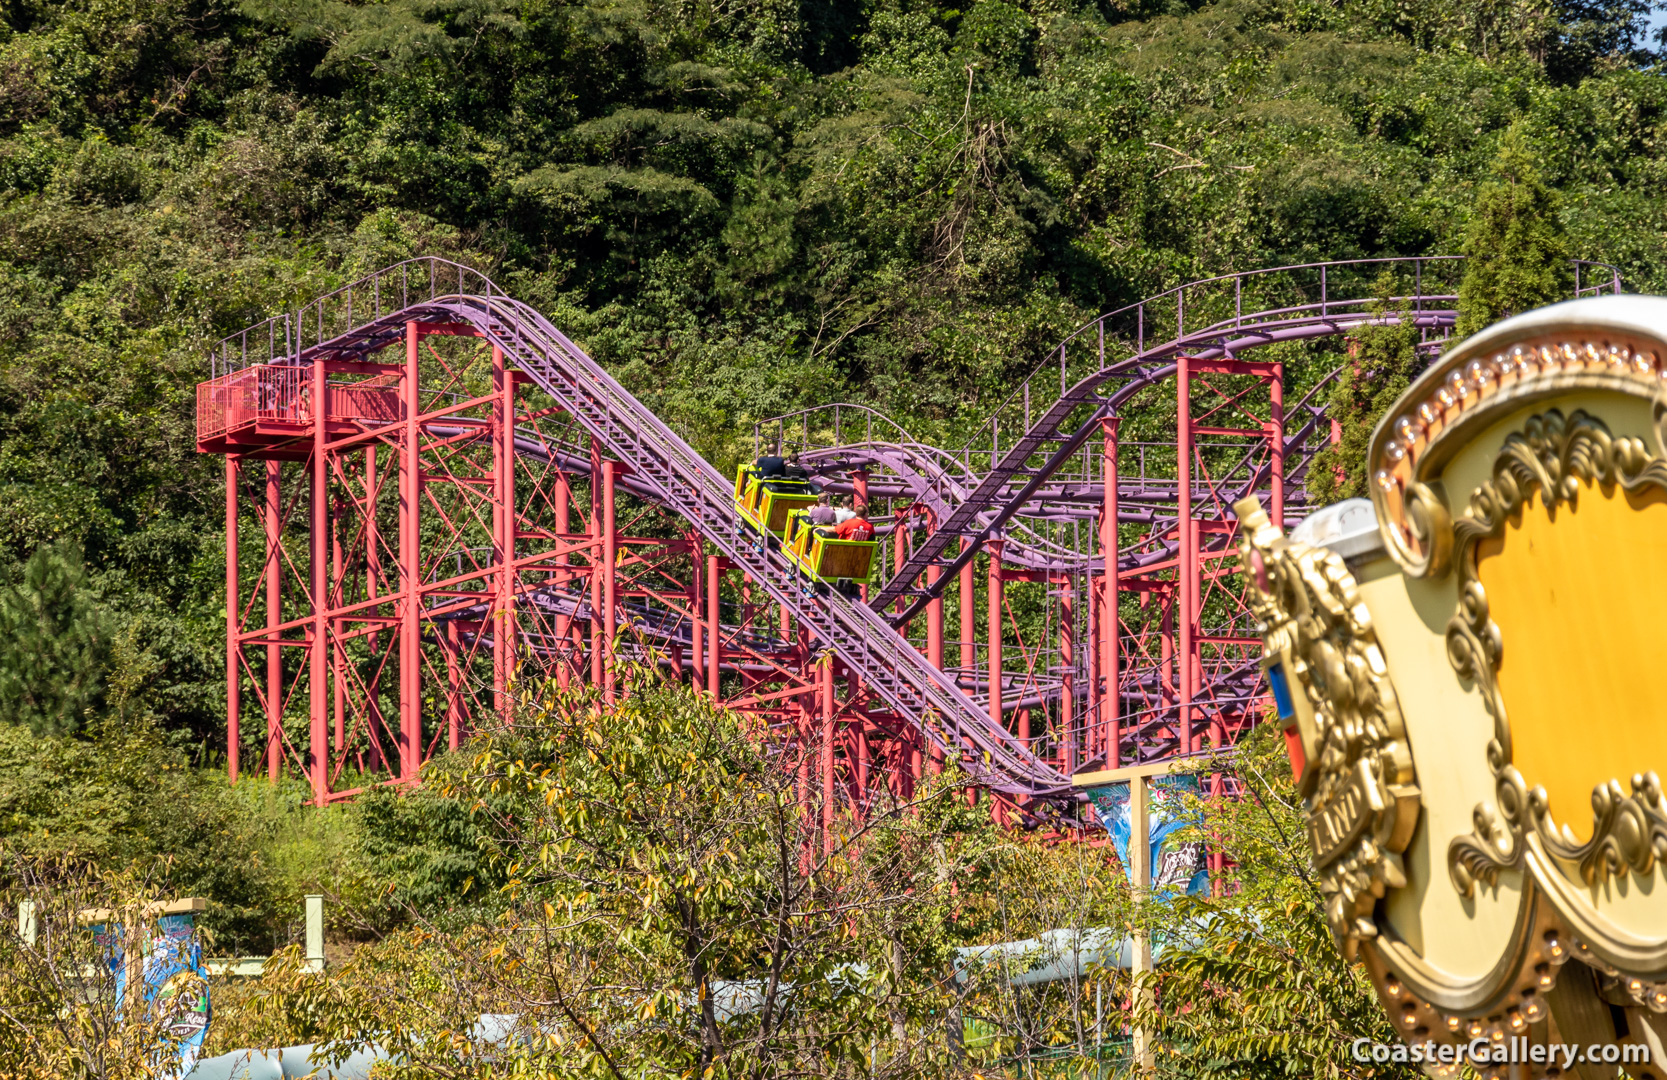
x=1252 y=985
x=657 y=871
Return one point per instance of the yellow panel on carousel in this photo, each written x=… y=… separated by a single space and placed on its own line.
x=1575 y=596
x=1475 y=676
x=1463 y=935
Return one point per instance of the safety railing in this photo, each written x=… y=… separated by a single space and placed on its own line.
x=281 y=394
x=374 y=400
x=1275 y=302
x=355 y=306
x=822 y=426
x=264 y=394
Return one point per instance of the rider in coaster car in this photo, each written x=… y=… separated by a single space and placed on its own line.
x=854 y=527
x=827 y=514
x=823 y=513
x=783 y=475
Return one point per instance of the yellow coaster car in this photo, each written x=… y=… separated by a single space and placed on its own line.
x=824 y=559
x=764 y=502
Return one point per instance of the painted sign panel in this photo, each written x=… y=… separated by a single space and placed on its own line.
x=173 y=964
x=1176 y=865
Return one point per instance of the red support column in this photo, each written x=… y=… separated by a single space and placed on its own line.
x=1067 y=690
x=827 y=748
x=610 y=578
x=1166 y=646
x=969 y=626
x=410 y=567
x=318 y=749
x=274 y=616
x=1110 y=622
x=859 y=480
x=508 y=575
x=898 y=556
x=714 y=627
x=561 y=496
x=802 y=773
x=338 y=653
x=806 y=725
x=454 y=688
x=934 y=621
x=748 y=610
x=234 y=610
x=1276 y=439
x=1186 y=568
x=373 y=578
x=597 y=645
x=859 y=804
x=934 y=656
x=993 y=591
x=1088 y=743
x=697 y=622
x=503 y=526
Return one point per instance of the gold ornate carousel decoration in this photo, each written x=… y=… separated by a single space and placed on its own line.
x=1473 y=678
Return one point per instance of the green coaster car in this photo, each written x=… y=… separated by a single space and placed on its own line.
x=824 y=559
x=764 y=502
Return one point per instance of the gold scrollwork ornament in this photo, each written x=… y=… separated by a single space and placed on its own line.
x=1555 y=457
x=1358 y=780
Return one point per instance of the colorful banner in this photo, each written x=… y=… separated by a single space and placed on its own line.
x=173 y=964
x=1175 y=865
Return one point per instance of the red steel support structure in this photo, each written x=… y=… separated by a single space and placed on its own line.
x=430 y=513
x=423 y=559
x=367 y=657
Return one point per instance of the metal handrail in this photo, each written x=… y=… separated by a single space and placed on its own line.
x=1325 y=305
x=369 y=313
x=1291 y=321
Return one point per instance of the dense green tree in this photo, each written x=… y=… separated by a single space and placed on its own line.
x=658 y=839
x=1381 y=361
x=1516 y=249
x=57 y=644
x=423 y=852
x=124 y=797
x=673 y=904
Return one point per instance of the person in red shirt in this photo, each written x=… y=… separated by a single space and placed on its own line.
x=854 y=528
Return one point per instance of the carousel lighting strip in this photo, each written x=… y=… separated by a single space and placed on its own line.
x=1482 y=379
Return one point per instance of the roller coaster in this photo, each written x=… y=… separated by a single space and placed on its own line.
x=436 y=503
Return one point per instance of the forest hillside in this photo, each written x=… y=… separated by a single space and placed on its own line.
x=740 y=206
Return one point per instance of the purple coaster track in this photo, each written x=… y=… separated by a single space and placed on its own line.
x=1032 y=478
x=1154 y=659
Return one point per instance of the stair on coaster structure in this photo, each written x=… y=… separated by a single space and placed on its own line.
x=688 y=485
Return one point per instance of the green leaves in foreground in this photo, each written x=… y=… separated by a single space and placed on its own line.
x=1251 y=986
x=675 y=904
x=687 y=913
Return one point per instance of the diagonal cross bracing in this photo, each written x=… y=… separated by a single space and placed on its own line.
x=680 y=479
